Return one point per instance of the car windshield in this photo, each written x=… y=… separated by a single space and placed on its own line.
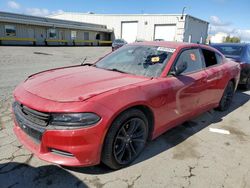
x=119 y=41
x=148 y=61
x=230 y=50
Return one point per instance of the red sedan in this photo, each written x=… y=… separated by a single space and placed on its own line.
x=107 y=111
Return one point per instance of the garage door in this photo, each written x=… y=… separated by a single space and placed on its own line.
x=165 y=32
x=129 y=31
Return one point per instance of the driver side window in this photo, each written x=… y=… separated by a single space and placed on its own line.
x=193 y=59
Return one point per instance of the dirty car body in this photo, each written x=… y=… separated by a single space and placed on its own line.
x=75 y=116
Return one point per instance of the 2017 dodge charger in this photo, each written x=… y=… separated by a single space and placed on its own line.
x=82 y=115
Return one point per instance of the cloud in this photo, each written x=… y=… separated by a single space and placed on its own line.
x=13 y=5
x=57 y=12
x=41 y=12
x=243 y=34
x=219 y=26
x=32 y=11
x=37 y=11
x=216 y=21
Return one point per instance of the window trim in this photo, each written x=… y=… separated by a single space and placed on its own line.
x=14 y=26
x=86 y=33
x=48 y=32
x=203 y=58
x=71 y=32
x=177 y=57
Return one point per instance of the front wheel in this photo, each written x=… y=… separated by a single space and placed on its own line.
x=227 y=97
x=125 y=139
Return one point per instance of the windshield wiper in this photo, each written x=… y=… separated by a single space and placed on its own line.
x=88 y=64
x=116 y=70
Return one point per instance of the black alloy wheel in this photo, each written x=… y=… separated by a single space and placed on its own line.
x=125 y=139
x=129 y=141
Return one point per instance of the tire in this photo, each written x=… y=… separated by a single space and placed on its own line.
x=247 y=85
x=227 y=97
x=125 y=139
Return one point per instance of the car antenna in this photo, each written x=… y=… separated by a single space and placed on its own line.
x=84 y=60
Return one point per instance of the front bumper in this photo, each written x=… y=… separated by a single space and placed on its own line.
x=78 y=147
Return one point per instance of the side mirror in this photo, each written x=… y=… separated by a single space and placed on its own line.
x=179 y=68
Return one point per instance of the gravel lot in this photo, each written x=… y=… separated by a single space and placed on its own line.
x=187 y=156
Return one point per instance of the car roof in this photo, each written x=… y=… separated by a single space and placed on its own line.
x=230 y=44
x=175 y=45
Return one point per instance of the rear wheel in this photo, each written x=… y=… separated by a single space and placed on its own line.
x=227 y=97
x=247 y=85
x=125 y=139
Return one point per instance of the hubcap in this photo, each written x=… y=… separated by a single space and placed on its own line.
x=130 y=140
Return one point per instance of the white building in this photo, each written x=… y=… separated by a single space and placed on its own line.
x=218 y=37
x=131 y=27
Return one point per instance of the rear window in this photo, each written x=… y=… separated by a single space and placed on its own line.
x=209 y=57
x=230 y=50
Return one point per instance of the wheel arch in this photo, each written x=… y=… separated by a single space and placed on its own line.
x=150 y=117
x=142 y=107
x=234 y=83
x=146 y=110
x=105 y=156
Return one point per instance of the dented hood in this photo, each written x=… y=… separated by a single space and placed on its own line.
x=77 y=83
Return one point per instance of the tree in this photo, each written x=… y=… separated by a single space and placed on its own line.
x=229 y=39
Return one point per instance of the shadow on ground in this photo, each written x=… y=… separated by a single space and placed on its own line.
x=15 y=174
x=176 y=135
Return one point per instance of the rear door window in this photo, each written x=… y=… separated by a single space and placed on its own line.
x=219 y=58
x=193 y=59
x=210 y=58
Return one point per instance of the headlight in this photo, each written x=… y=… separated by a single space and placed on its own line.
x=74 y=119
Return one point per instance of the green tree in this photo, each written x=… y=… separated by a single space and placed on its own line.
x=229 y=39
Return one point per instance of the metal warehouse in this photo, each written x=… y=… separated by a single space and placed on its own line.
x=33 y=30
x=131 y=27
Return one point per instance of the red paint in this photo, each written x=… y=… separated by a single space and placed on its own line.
x=172 y=101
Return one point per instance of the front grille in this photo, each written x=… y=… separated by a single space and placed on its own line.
x=36 y=135
x=34 y=116
x=32 y=122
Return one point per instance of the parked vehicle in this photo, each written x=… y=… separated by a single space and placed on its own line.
x=118 y=43
x=159 y=40
x=81 y=115
x=241 y=54
x=140 y=40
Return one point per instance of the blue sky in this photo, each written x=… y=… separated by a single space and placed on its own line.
x=229 y=16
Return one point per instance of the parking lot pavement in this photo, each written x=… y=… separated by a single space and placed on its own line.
x=191 y=155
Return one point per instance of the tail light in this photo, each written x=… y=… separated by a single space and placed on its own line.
x=243 y=64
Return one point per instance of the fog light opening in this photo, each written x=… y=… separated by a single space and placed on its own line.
x=60 y=152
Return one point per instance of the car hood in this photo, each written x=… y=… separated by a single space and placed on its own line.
x=77 y=83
